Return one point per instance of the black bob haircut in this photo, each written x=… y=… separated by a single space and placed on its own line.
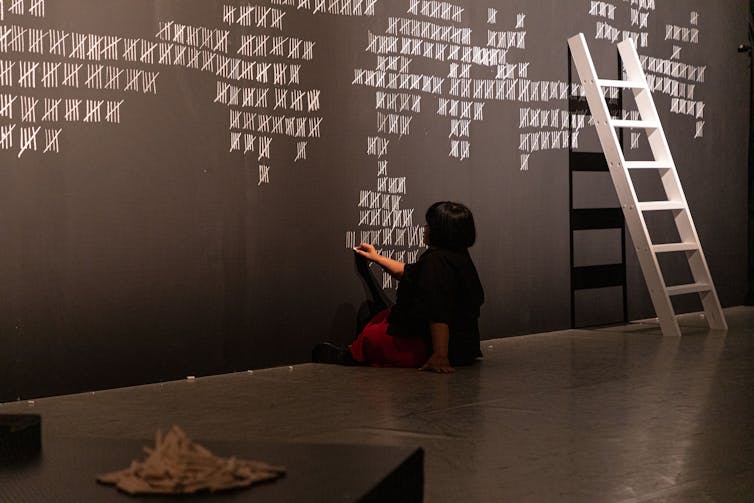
x=451 y=226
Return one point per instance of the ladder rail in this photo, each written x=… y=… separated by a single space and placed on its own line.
x=648 y=111
x=671 y=182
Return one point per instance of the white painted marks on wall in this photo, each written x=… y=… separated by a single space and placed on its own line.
x=420 y=57
x=39 y=63
x=668 y=75
x=257 y=64
x=480 y=77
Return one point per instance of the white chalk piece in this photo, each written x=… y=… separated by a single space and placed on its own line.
x=30 y=403
x=250 y=371
x=190 y=378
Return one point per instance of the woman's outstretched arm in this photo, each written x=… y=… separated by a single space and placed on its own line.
x=393 y=267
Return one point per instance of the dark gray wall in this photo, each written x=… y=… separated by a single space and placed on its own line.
x=148 y=248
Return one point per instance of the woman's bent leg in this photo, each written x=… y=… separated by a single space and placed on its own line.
x=375 y=347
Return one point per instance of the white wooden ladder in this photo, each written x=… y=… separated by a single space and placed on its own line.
x=633 y=209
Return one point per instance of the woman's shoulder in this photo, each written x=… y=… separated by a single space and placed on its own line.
x=447 y=255
x=445 y=258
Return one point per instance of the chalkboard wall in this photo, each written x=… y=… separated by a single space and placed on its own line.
x=181 y=180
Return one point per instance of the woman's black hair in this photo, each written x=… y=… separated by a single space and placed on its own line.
x=451 y=225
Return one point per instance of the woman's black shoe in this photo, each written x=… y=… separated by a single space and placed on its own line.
x=325 y=352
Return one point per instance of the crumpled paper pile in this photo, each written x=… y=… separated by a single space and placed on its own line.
x=177 y=465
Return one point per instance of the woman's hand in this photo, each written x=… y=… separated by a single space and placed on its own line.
x=393 y=267
x=367 y=251
x=438 y=363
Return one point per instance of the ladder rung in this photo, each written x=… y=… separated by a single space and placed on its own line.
x=625 y=84
x=635 y=124
x=675 y=247
x=660 y=205
x=686 y=289
x=648 y=165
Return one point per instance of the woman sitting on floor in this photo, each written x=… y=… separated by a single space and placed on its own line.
x=434 y=322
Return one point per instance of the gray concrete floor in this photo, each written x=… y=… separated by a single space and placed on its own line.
x=617 y=414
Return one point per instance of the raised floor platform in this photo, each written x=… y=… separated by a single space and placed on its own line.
x=333 y=473
x=619 y=414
